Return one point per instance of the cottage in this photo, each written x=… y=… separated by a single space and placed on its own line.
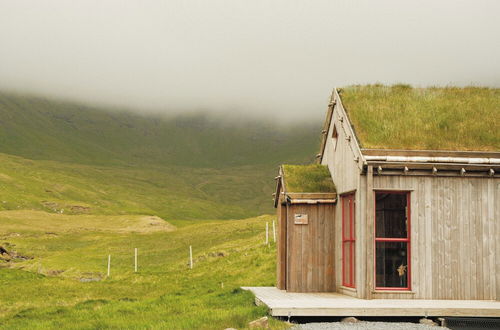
x=407 y=204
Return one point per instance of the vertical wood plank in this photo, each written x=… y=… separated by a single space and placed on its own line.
x=369 y=224
x=497 y=234
x=483 y=204
x=491 y=237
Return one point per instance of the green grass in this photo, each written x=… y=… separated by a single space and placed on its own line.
x=308 y=178
x=163 y=294
x=402 y=117
x=78 y=183
x=170 y=192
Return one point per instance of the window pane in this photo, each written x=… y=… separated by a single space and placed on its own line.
x=392 y=264
x=391 y=219
x=347 y=262
x=346 y=217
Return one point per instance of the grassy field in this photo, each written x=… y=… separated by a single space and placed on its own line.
x=79 y=183
x=63 y=283
x=402 y=117
x=170 y=192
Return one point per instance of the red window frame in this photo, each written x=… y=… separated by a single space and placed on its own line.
x=348 y=217
x=407 y=240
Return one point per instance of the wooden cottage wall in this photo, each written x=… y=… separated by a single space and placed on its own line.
x=310 y=255
x=281 y=246
x=455 y=236
x=345 y=171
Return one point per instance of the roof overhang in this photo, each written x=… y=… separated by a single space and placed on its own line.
x=435 y=162
x=299 y=198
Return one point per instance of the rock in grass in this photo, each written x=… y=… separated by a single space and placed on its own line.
x=427 y=321
x=263 y=322
x=349 y=319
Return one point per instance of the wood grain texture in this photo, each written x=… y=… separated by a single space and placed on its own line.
x=283 y=303
x=281 y=248
x=310 y=249
x=455 y=234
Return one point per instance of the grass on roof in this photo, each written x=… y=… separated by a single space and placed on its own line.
x=308 y=179
x=403 y=117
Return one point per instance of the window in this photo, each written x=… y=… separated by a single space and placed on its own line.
x=335 y=136
x=348 y=240
x=392 y=240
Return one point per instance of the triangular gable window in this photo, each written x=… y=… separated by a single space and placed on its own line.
x=335 y=136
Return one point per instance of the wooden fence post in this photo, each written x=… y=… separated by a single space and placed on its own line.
x=135 y=260
x=109 y=264
x=190 y=257
x=267 y=233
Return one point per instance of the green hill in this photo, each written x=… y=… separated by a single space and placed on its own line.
x=38 y=128
x=79 y=183
x=62 y=157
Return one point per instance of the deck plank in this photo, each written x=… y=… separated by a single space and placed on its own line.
x=282 y=303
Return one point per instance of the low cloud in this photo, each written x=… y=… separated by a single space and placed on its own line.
x=278 y=58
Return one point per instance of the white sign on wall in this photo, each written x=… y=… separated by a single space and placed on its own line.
x=301 y=219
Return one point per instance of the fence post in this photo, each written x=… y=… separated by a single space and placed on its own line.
x=135 y=260
x=267 y=233
x=109 y=264
x=190 y=257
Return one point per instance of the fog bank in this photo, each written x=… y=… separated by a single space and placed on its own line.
x=278 y=58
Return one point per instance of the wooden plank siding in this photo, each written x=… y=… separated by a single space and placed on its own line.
x=455 y=234
x=455 y=225
x=345 y=171
x=281 y=248
x=310 y=266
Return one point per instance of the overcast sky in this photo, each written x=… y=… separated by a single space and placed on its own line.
x=257 y=56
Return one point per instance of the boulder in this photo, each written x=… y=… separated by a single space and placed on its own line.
x=263 y=322
x=427 y=321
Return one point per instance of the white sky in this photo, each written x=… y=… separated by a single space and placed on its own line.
x=258 y=56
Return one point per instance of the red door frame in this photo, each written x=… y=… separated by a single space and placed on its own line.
x=380 y=239
x=352 y=239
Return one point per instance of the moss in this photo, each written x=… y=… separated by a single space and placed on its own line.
x=405 y=117
x=308 y=179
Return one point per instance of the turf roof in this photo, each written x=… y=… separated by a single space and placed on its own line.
x=403 y=117
x=308 y=179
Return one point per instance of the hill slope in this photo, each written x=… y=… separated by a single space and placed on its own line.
x=37 y=128
x=67 y=158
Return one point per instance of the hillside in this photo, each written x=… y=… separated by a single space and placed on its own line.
x=37 y=128
x=57 y=275
x=68 y=158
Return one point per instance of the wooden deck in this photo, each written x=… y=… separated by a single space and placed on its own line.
x=282 y=303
